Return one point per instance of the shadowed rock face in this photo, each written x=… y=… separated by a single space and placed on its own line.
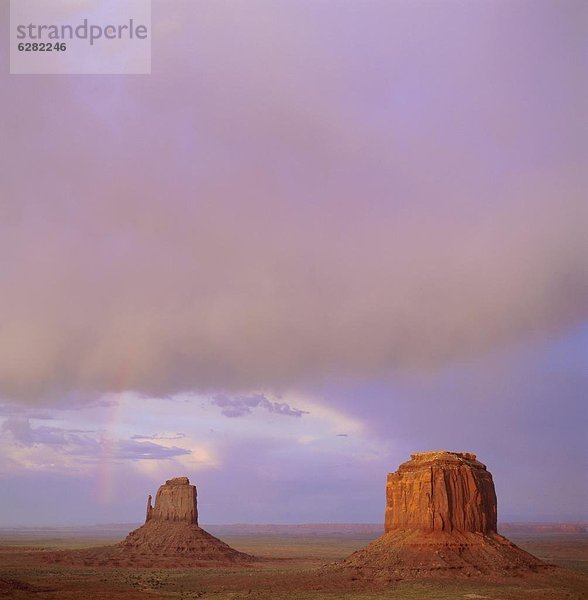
x=441 y=491
x=170 y=537
x=175 y=501
x=171 y=531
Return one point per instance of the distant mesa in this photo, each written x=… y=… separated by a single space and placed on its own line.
x=170 y=537
x=440 y=520
x=171 y=528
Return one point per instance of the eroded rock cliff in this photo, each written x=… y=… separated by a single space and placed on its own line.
x=441 y=491
x=175 y=501
x=440 y=520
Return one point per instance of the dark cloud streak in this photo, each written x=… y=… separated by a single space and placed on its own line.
x=240 y=406
x=84 y=446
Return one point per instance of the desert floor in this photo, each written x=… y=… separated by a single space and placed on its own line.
x=288 y=570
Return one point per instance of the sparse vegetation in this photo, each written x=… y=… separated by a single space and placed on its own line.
x=290 y=574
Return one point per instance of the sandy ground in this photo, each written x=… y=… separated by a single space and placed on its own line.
x=288 y=569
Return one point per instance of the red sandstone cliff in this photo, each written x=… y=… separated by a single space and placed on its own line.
x=175 y=501
x=440 y=520
x=441 y=491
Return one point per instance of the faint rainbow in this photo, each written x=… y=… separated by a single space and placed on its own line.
x=106 y=476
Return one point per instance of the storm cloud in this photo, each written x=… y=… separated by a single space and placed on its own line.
x=82 y=445
x=243 y=405
x=275 y=206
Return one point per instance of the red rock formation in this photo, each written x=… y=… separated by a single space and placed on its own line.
x=175 y=501
x=441 y=491
x=171 y=528
x=170 y=537
x=440 y=520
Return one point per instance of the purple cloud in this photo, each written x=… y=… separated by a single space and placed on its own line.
x=85 y=444
x=240 y=406
x=22 y=410
x=159 y=436
x=133 y=450
x=404 y=215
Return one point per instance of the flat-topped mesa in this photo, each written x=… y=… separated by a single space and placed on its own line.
x=441 y=491
x=175 y=501
x=440 y=521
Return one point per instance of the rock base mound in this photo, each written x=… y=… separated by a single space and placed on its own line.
x=157 y=538
x=406 y=554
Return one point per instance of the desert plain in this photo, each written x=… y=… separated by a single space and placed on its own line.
x=289 y=565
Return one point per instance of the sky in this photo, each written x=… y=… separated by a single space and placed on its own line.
x=320 y=236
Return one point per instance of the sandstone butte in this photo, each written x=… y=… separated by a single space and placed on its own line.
x=440 y=520
x=171 y=529
x=170 y=537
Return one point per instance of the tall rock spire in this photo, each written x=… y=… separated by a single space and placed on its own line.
x=149 y=509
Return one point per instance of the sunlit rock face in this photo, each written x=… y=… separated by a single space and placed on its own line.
x=440 y=521
x=176 y=501
x=441 y=491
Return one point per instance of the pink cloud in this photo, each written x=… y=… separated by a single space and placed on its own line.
x=275 y=205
